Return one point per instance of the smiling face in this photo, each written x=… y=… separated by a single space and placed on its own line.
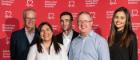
x=120 y=20
x=85 y=24
x=46 y=33
x=30 y=18
x=66 y=22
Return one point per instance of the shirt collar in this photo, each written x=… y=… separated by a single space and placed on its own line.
x=27 y=30
x=69 y=35
x=91 y=34
x=51 y=47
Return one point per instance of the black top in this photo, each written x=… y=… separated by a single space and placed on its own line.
x=124 y=53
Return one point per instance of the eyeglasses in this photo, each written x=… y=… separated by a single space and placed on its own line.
x=29 y=19
x=83 y=21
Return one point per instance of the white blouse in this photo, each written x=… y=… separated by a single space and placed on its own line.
x=35 y=55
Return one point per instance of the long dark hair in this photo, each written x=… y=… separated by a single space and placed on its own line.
x=57 y=47
x=127 y=31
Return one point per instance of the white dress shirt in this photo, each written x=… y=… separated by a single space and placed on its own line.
x=67 y=40
x=30 y=36
x=35 y=55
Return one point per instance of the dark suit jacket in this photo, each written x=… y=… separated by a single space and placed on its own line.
x=60 y=36
x=19 y=44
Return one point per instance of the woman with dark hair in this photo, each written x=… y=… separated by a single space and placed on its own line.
x=122 y=40
x=47 y=48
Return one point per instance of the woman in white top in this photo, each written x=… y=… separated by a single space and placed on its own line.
x=47 y=48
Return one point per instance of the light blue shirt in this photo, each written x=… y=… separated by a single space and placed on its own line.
x=92 y=47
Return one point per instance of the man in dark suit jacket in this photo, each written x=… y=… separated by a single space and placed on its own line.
x=68 y=33
x=23 y=39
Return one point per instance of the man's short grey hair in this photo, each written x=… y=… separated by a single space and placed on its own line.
x=27 y=9
x=84 y=12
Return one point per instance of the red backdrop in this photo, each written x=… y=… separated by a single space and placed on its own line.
x=49 y=10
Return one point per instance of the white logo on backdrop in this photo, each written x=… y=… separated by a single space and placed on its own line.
x=7 y=2
x=93 y=14
x=51 y=16
x=8 y=14
x=133 y=1
x=29 y=3
x=71 y=3
x=135 y=12
x=55 y=27
x=109 y=14
x=7 y=41
x=74 y=15
x=6 y=53
x=50 y=3
x=112 y=2
x=138 y=51
x=8 y=27
x=73 y=26
x=136 y=25
x=90 y=3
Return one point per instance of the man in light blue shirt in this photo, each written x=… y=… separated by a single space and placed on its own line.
x=88 y=45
